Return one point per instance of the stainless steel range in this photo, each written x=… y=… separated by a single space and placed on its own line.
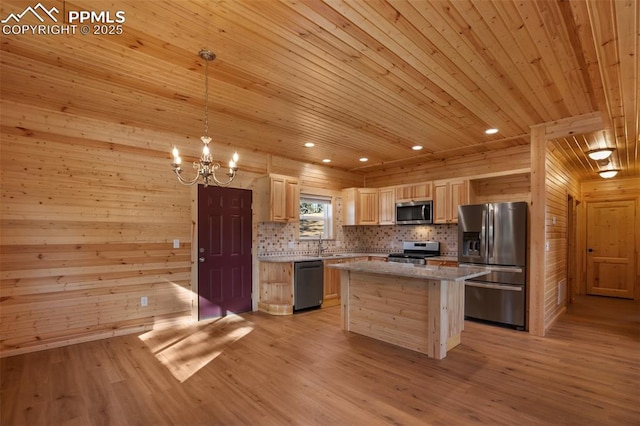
x=416 y=252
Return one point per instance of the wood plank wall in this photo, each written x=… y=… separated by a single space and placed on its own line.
x=89 y=212
x=559 y=184
x=503 y=160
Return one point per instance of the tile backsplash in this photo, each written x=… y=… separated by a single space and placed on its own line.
x=278 y=239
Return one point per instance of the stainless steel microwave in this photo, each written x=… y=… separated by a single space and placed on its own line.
x=414 y=213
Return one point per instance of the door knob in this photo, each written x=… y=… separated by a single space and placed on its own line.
x=201 y=259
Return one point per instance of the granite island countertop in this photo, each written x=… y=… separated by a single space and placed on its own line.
x=428 y=272
x=326 y=256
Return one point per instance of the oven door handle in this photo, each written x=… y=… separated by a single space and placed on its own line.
x=494 y=286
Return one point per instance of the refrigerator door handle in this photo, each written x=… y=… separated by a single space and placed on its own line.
x=490 y=236
x=494 y=286
x=483 y=236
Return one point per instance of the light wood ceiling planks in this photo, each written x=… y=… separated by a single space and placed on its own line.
x=357 y=78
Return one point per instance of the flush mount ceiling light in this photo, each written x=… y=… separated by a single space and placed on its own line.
x=608 y=174
x=600 y=154
x=491 y=131
x=309 y=144
x=205 y=167
x=416 y=147
x=364 y=159
x=326 y=160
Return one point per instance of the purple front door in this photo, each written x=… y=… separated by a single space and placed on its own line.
x=224 y=251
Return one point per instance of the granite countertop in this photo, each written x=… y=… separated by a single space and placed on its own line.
x=444 y=258
x=441 y=273
x=326 y=256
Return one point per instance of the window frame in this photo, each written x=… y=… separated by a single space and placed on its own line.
x=329 y=219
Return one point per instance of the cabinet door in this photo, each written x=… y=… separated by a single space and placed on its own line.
x=292 y=200
x=368 y=205
x=440 y=203
x=458 y=197
x=331 y=295
x=448 y=196
x=278 y=199
x=387 y=206
x=414 y=192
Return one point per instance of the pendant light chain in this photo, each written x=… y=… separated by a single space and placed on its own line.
x=206 y=98
x=206 y=168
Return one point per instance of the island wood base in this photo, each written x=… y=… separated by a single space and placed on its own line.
x=420 y=314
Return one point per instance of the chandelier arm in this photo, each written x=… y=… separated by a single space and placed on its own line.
x=184 y=181
x=214 y=168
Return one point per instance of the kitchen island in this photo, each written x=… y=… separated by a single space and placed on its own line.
x=417 y=307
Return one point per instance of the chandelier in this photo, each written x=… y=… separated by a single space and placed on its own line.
x=205 y=167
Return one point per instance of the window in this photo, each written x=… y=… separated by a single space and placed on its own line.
x=315 y=217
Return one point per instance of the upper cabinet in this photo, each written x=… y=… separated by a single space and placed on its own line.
x=360 y=206
x=448 y=195
x=414 y=192
x=387 y=205
x=278 y=198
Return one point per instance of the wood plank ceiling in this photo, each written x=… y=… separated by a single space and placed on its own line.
x=357 y=78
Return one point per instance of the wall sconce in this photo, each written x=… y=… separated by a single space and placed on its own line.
x=600 y=154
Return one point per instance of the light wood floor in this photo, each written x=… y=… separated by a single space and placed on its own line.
x=262 y=370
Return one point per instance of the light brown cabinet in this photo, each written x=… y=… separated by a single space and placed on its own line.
x=414 y=192
x=360 y=206
x=276 y=288
x=278 y=198
x=331 y=280
x=448 y=195
x=387 y=198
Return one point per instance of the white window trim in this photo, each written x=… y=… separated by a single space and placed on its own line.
x=321 y=199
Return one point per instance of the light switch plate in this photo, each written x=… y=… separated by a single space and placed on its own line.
x=176 y=243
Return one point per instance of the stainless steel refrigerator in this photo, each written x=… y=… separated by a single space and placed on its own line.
x=495 y=236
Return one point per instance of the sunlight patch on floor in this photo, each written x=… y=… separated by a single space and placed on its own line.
x=185 y=349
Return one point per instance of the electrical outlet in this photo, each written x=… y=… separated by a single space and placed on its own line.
x=144 y=301
x=291 y=244
x=176 y=243
x=547 y=246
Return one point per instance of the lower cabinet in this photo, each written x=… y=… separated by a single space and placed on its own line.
x=276 y=288
x=331 y=295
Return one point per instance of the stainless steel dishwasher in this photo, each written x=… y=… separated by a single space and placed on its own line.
x=307 y=284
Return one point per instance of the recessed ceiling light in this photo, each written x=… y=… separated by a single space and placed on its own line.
x=309 y=144
x=364 y=159
x=600 y=154
x=416 y=147
x=491 y=131
x=326 y=160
